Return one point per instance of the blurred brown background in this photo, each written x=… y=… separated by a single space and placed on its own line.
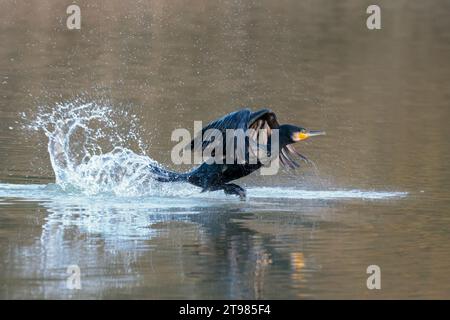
x=382 y=96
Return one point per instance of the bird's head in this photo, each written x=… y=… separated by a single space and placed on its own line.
x=291 y=134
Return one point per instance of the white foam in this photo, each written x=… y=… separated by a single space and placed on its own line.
x=184 y=191
x=291 y=193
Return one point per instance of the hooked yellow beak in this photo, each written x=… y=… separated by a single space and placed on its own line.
x=299 y=136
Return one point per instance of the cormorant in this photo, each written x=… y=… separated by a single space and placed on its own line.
x=217 y=176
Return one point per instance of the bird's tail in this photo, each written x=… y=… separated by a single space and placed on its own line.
x=165 y=175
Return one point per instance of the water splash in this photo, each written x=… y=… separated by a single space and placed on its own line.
x=189 y=199
x=79 y=137
x=292 y=193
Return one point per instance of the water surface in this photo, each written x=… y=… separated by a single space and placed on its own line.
x=379 y=193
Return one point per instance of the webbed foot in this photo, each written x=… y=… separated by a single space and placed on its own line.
x=234 y=189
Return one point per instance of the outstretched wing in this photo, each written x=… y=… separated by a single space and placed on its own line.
x=235 y=120
x=267 y=121
x=262 y=122
x=289 y=156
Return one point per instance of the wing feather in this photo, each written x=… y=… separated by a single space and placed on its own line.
x=244 y=119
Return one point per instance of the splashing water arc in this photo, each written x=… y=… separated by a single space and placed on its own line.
x=77 y=133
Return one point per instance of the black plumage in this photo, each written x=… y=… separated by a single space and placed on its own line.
x=259 y=127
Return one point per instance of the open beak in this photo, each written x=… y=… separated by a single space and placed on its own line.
x=305 y=135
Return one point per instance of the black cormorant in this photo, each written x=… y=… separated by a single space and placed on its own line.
x=217 y=176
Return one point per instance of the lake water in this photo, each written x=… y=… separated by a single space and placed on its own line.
x=378 y=194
